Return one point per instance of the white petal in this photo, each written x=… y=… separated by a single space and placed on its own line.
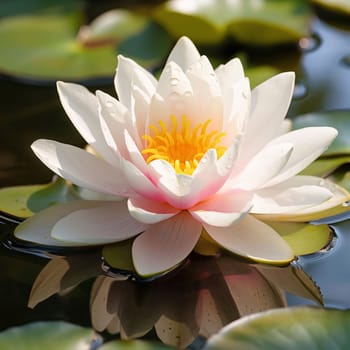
x=116 y=118
x=128 y=75
x=298 y=196
x=173 y=81
x=308 y=144
x=150 y=212
x=38 y=228
x=252 y=239
x=222 y=210
x=206 y=93
x=264 y=166
x=82 y=109
x=184 y=53
x=164 y=245
x=229 y=73
x=105 y=224
x=269 y=104
x=81 y=167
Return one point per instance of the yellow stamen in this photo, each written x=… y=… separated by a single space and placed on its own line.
x=182 y=146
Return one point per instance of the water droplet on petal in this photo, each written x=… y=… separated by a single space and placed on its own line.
x=174 y=81
x=346 y=204
x=188 y=93
x=174 y=96
x=300 y=90
x=109 y=104
x=244 y=94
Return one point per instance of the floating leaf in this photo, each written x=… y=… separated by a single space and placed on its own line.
x=24 y=201
x=47 y=335
x=290 y=328
x=48 y=46
x=324 y=166
x=118 y=255
x=111 y=27
x=303 y=238
x=133 y=345
x=339 y=6
x=337 y=119
x=264 y=22
x=13 y=200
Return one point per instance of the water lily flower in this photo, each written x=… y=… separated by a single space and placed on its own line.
x=196 y=154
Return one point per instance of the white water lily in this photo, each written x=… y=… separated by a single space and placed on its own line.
x=195 y=152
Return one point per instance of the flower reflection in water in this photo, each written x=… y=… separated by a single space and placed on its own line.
x=196 y=300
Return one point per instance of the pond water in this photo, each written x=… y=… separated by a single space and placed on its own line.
x=30 y=111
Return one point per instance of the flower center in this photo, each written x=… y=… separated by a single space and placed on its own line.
x=183 y=146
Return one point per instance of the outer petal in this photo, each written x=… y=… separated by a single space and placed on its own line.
x=150 y=212
x=264 y=166
x=293 y=195
x=315 y=212
x=309 y=144
x=164 y=245
x=184 y=53
x=222 y=210
x=269 y=104
x=38 y=228
x=81 y=167
x=82 y=109
x=104 y=224
x=130 y=74
x=252 y=239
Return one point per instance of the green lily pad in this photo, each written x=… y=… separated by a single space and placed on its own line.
x=337 y=119
x=342 y=178
x=24 y=201
x=325 y=166
x=210 y=21
x=290 y=328
x=118 y=255
x=339 y=6
x=134 y=345
x=303 y=238
x=48 y=47
x=47 y=335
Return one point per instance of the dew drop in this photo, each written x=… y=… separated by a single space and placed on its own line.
x=310 y=44
x=244 y=94
x=109 y=104
x=300 y=90
x=174 y=81
x=174 y=96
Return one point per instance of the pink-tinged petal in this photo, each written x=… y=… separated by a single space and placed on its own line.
x=129 y=74
x=82 y=109
x=308 y=144
x=292 y=196
x=222 y=210
x=38 y=228
x=252 y=239
x=104 y=224
x=139 y=182
x=81 y=167
x=166 y=244
x=150 y=212
x=206 y=93
x=184 y=53
x=265 y=165
x=269 y=105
